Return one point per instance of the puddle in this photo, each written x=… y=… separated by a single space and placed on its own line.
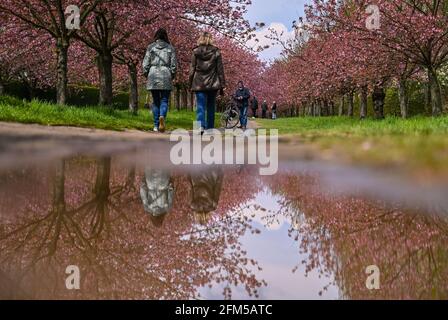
x=139 y=230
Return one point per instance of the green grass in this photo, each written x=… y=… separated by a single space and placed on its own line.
x=346 y=126
x=38 y=112
x=417 y=146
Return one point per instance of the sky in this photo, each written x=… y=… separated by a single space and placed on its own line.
x=277 y=14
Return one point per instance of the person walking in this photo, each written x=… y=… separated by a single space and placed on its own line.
x=242 y=96
x=160 y=67
x=254 y=107
x=157 y=194
x=206 y=79
x=274 y=110
x=264 y=109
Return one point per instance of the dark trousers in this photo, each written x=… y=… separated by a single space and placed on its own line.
x=254 y=112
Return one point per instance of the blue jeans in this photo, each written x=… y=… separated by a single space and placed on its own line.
x=206 y=101
x=243 y=115
x=161 y=99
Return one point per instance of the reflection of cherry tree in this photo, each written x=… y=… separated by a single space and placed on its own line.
x=94 y=219
x=344 y=235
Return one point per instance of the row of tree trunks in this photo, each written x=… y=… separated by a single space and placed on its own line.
x=183 y=98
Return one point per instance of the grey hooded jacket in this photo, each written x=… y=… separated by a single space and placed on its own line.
x=160 y=65
x=157 y=192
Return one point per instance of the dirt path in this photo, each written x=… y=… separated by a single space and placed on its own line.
x=35 y=130
x=253 y=124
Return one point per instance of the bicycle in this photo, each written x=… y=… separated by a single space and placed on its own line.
x=230 y=118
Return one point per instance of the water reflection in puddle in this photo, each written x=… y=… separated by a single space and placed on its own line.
x=139 y=231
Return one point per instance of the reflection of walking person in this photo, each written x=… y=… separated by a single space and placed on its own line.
x=160 y=66
x=206 y=79
x=157 y=194
x=206 y=190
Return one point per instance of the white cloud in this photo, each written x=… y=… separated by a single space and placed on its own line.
x=274 y=50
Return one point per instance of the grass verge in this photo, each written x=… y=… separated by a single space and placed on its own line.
x=416 y=146
x=39 y=112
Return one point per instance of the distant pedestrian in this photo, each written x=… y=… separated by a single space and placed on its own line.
x=242 y=96
x=254 y=107
x=274 y=110
x=160 y=67
x=206 y=79
x=264 y=109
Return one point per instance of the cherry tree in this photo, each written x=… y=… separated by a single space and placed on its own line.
x=416 y=31
x=114 y=25
x=50 y=17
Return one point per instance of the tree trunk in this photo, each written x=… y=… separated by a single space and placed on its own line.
x=177 y=98
x=403 y=97
x=184 y=98
x=318 y=111
x=325 y=107
x=62 y=70
x=363 y=103
x=105 y=75
x=2 y=88
x=102 y=189
x=341 y=106
x=133 y=90
x=331 y=108
x=428 y=97
x=59 y=187
x=31 y=90
x=192 y=101
x=350 y=104
x=436 y=93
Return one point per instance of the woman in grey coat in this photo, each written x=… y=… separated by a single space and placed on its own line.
x=157 y=194
x=160 y=67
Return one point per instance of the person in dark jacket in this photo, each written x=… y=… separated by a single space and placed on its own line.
x=274 y=111
x=206 y=79
x=254 y=107
x=206 y=190
x=160 y=67
x=242 y=96
x=264 y=109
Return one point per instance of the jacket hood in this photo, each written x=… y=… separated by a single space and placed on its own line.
x=205 y=53
x=160 y=44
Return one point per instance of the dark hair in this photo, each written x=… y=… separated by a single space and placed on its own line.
x=161 y=34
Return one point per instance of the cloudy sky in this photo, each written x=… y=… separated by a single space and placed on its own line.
x=277 y=14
